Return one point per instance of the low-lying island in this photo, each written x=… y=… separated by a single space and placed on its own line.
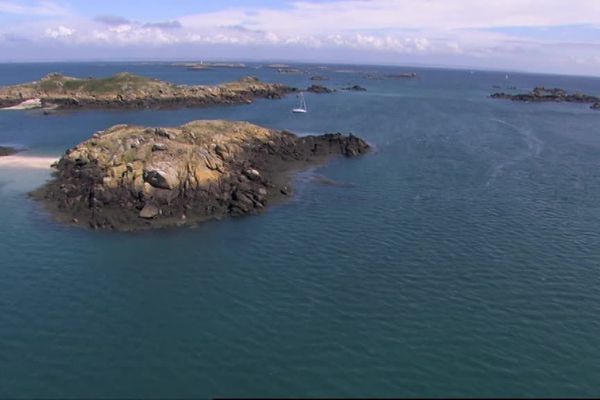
x=125 y=90
x=7 y=151
x=131 y=177
x=542 y=94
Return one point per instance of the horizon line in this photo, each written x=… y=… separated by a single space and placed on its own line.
x=291 y=61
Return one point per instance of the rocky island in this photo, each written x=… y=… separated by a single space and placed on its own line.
x=542 y=94
x=319 y=89
x=131 y=177
x=127 y=90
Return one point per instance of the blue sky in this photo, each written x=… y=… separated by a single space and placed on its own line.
x=534 y=35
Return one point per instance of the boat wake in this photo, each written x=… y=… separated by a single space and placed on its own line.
x=535 y=147
x=534 y=144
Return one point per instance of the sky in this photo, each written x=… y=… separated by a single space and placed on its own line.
x=555 y=36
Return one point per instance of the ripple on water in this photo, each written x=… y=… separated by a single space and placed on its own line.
x=414 y=279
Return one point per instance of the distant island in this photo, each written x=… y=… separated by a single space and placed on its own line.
x=7 y=151
x=131 y=177
x=210 y=65
x=542 y=94
x=319 y=89
x=125 y=90
x=403 y=75
x=355 y=88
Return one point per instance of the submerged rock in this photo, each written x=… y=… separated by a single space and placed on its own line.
x=209 y=169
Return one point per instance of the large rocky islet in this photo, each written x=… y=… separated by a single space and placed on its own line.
x=133 y=177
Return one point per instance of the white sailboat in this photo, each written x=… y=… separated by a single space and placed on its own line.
x=302 y=108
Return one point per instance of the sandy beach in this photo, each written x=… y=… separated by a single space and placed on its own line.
x=19 y=161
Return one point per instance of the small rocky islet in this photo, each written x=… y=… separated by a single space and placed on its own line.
x=126 y=90
x=130 y=177
x=319 y=89
x=355 y=88
x=557 y=95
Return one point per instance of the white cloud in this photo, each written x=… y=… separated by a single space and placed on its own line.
x=121 y=28
x=343 y=15
x=396 y=28
x=60 y=32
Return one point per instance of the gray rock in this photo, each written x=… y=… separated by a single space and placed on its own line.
x=252 y=174
x=149 y=211
x=164 y=133
x=221 y=151
x=159 y=147
x=162 y=176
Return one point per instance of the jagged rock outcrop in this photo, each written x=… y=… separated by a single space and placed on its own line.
x=131 y=177
x=127 y=90
x=542 y=94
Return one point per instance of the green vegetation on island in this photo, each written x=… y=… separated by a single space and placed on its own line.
x=126 y=90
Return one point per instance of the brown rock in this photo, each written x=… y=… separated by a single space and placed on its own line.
x=149 y=211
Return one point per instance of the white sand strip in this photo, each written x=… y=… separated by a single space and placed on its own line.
x=17 y=161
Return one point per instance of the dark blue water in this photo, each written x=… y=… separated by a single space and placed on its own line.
x=462 y=258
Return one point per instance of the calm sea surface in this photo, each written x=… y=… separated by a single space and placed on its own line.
x=461 y=258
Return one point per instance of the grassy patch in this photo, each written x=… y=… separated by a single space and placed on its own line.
x=129 y=156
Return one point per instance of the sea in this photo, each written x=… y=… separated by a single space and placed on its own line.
x=461 y=257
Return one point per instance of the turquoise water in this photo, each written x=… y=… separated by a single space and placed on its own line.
x=461 y=258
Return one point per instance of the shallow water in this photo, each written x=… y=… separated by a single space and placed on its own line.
x=461 y=258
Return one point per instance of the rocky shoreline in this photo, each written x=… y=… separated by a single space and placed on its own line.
x=542 y=94
x=130 y=178
x=125 y=90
